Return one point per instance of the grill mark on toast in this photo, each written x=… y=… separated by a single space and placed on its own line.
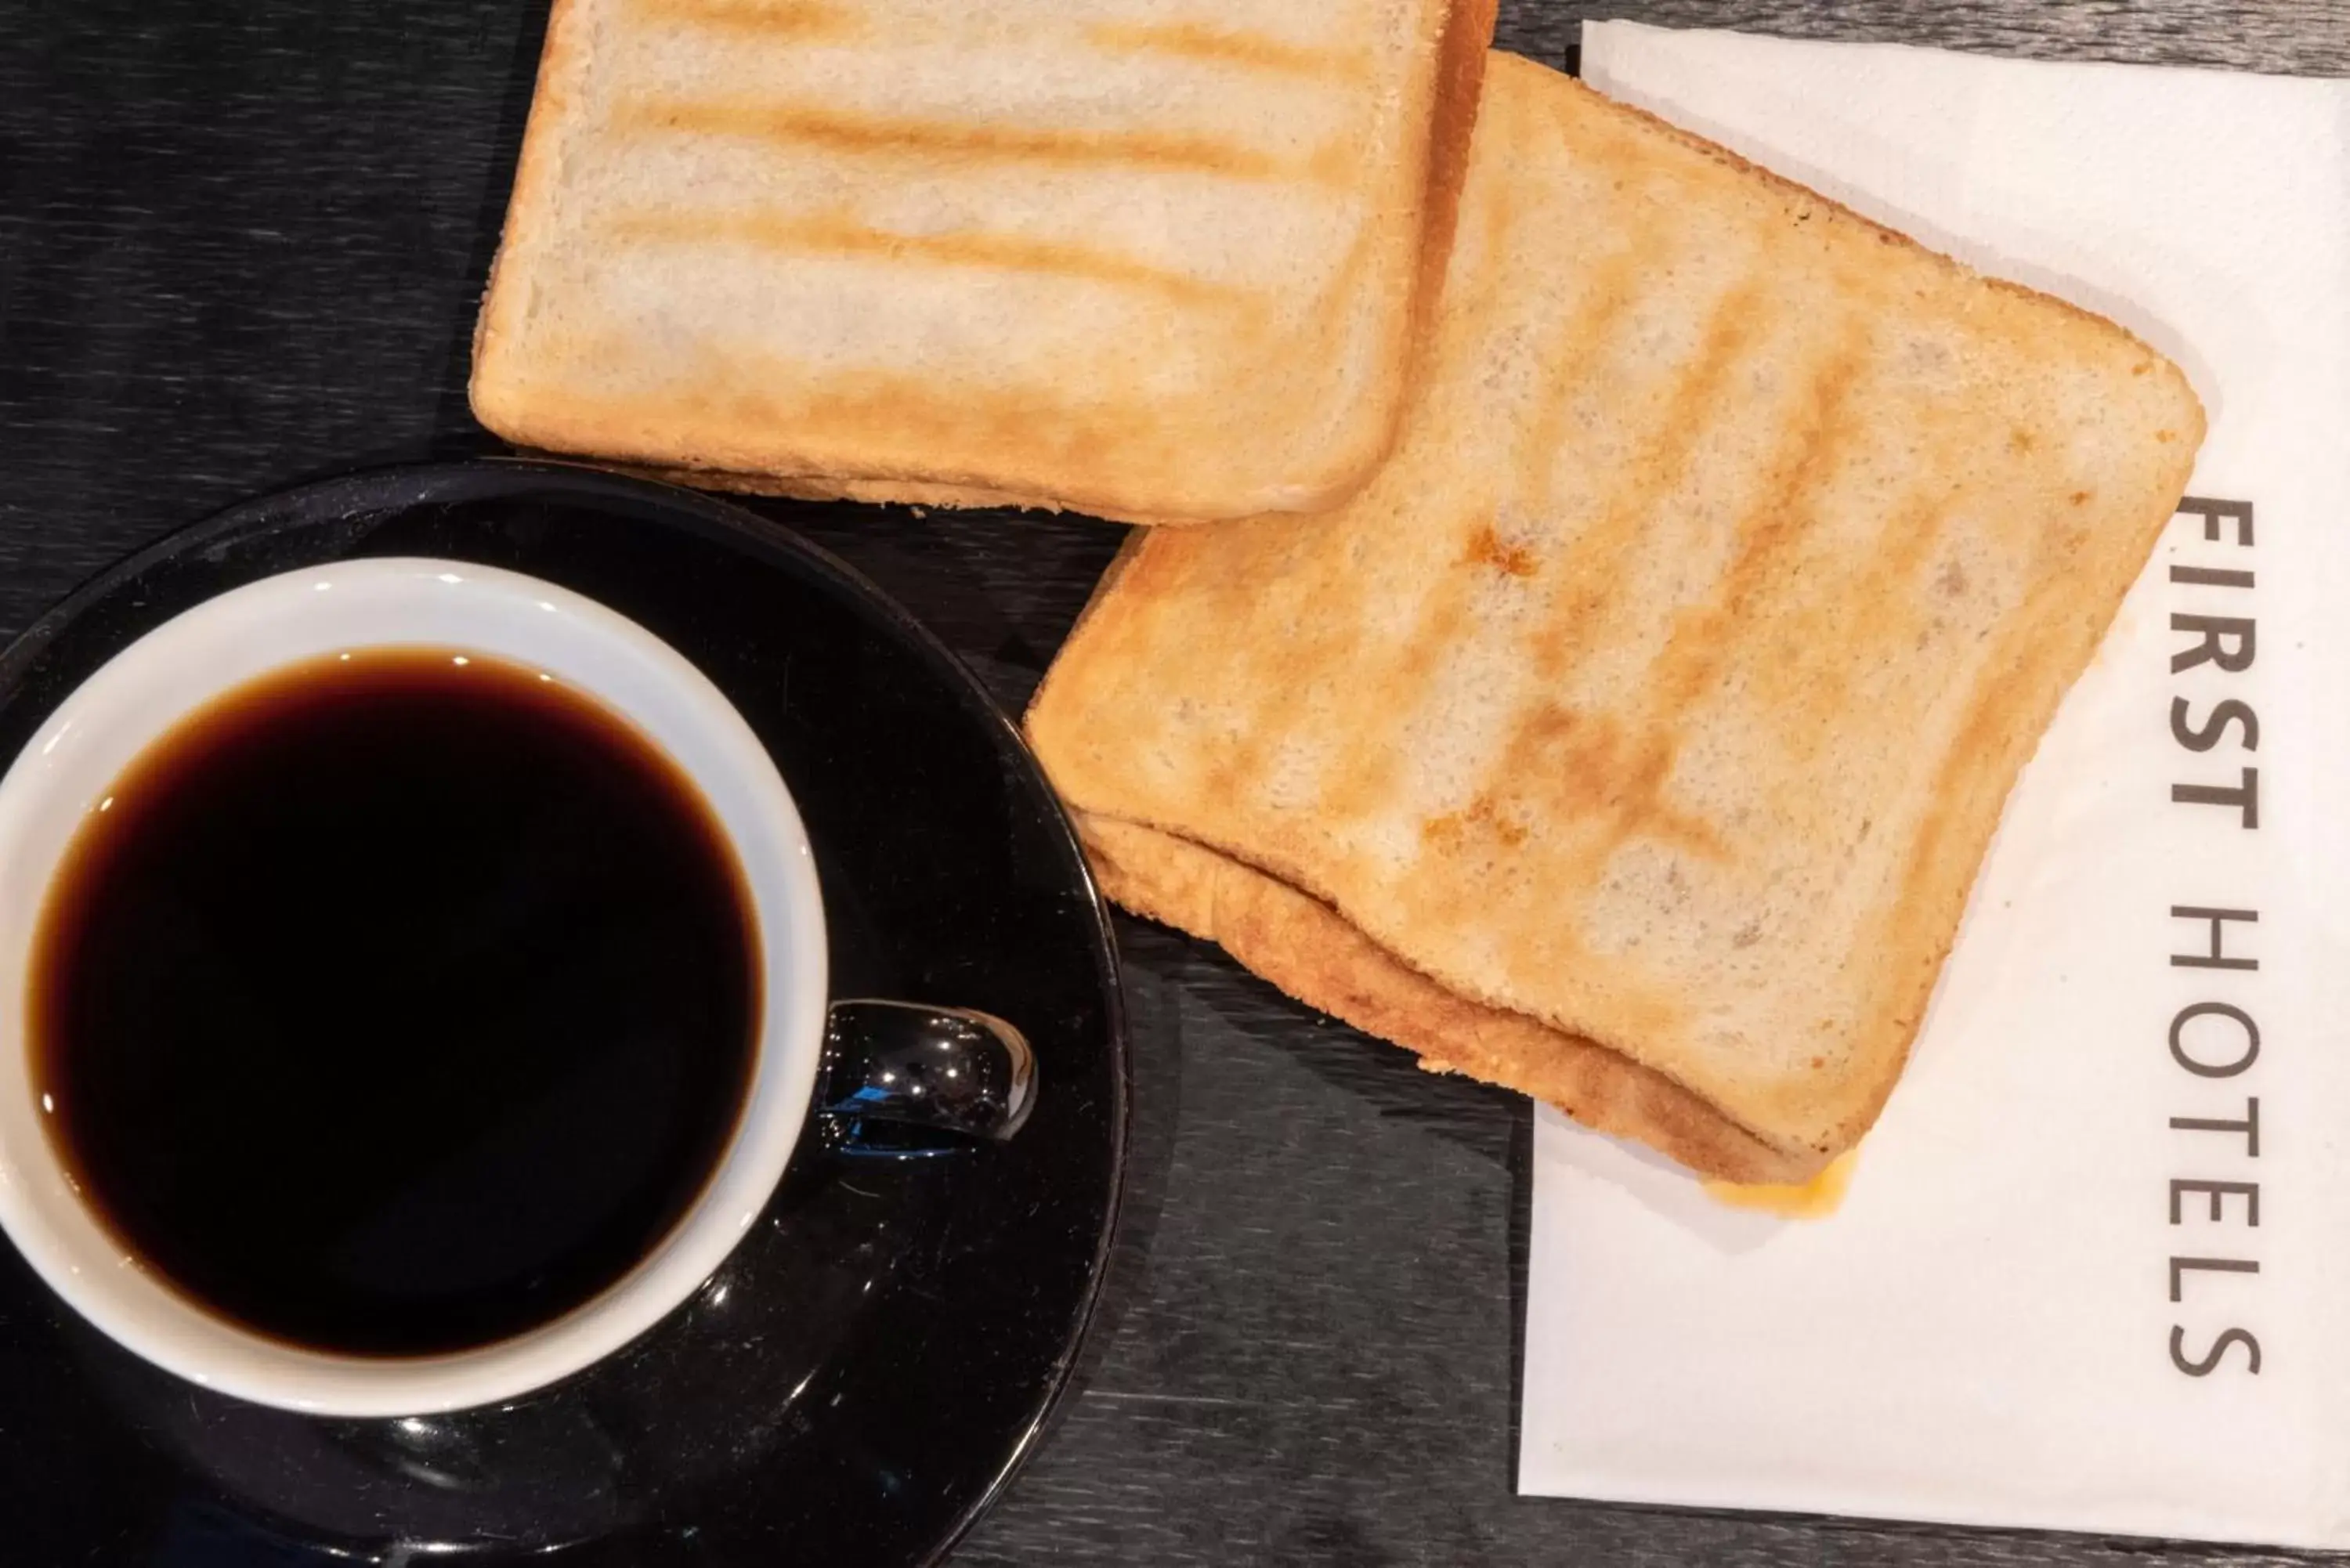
x=1808 y=674
x=1606 y=780
x=1610 y=770
x=1803 y=672
x=819 y=235
x=1703 y=637
x=775 y=17
x=1368 y=773
x=1608 y=301
x=1608 y=297
x=1253 y=51
x=1661 y=457
x=1329 y=637
x=1336 y=622
x=847 y=133
x=1814 y=677
x=1890 y=601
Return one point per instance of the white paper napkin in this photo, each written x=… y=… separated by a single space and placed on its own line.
x=2025 y=1313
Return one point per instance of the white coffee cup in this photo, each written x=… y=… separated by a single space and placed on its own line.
x=139 y=696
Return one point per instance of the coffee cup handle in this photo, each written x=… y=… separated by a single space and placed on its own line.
x=948 y=1069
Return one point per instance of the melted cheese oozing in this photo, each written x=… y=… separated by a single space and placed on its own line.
x=1813 y=1200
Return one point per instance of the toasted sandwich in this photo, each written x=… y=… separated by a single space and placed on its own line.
x=1634 y=737
x=1160 y=260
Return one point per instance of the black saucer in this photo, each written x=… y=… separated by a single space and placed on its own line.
x=863 y=1376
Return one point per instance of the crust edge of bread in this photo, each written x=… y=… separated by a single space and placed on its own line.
x=1315 y=955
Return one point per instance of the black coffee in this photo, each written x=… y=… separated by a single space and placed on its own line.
x=396 y=1002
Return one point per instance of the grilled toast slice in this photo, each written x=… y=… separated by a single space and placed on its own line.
x=1165 y=260
x=1634 y=737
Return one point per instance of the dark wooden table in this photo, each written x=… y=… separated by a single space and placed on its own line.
x=241 y=244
